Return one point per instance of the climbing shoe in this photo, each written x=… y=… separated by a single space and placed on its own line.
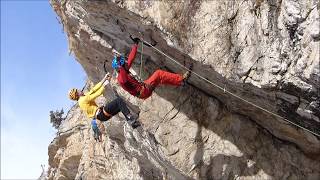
x=135 y=124
x=132 y=120
x=131 y=117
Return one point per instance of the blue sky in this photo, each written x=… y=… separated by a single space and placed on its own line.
x=36 y=74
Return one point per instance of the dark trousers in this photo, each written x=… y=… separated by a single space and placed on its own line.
x=113 y=108
x=97 y=133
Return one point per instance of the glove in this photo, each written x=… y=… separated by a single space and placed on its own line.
x=106 y=79
x=106 y=83
x=135 y=40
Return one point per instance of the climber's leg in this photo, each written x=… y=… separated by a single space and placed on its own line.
x=162 y=77
x=102 y=115
x=112 y=108
x=96 y=132
x=130 y=117
x=117 y=105
x=165 y=78
x=123 y=108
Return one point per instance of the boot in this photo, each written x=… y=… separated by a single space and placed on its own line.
x=186 y=75
x=132 y=120
x=135 y=124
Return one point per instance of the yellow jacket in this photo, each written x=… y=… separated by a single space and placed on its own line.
x=87 y=103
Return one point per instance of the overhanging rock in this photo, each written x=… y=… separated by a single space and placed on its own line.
x=108 y=25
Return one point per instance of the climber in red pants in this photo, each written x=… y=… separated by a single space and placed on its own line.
x=143 y=90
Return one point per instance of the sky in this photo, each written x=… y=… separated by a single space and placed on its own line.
x=36 y=74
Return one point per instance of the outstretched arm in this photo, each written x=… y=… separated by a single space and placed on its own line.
x=106 y=79
x=103 y=82
x=93 y=95
x=132 y=55
x=98 y=89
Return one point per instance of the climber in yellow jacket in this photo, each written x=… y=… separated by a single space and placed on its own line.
x=88 y=105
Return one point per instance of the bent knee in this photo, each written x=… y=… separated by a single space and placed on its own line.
x=158 y=72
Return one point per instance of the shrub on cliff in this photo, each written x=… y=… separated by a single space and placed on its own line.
x=56 y=117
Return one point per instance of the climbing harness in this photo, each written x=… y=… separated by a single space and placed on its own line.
x=226 y=91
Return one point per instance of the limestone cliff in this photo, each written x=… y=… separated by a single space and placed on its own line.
x=265 y=51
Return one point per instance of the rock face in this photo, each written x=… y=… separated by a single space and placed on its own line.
x=266 y=52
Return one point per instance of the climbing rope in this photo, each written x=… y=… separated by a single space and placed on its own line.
x=226 y=91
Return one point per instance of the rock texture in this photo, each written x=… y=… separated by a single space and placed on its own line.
x=265 y=51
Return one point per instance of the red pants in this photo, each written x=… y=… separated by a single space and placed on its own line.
x=157 y=78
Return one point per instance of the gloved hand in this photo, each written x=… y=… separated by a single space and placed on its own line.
x=106 y=83
x=135 y=40
x=106 y=79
